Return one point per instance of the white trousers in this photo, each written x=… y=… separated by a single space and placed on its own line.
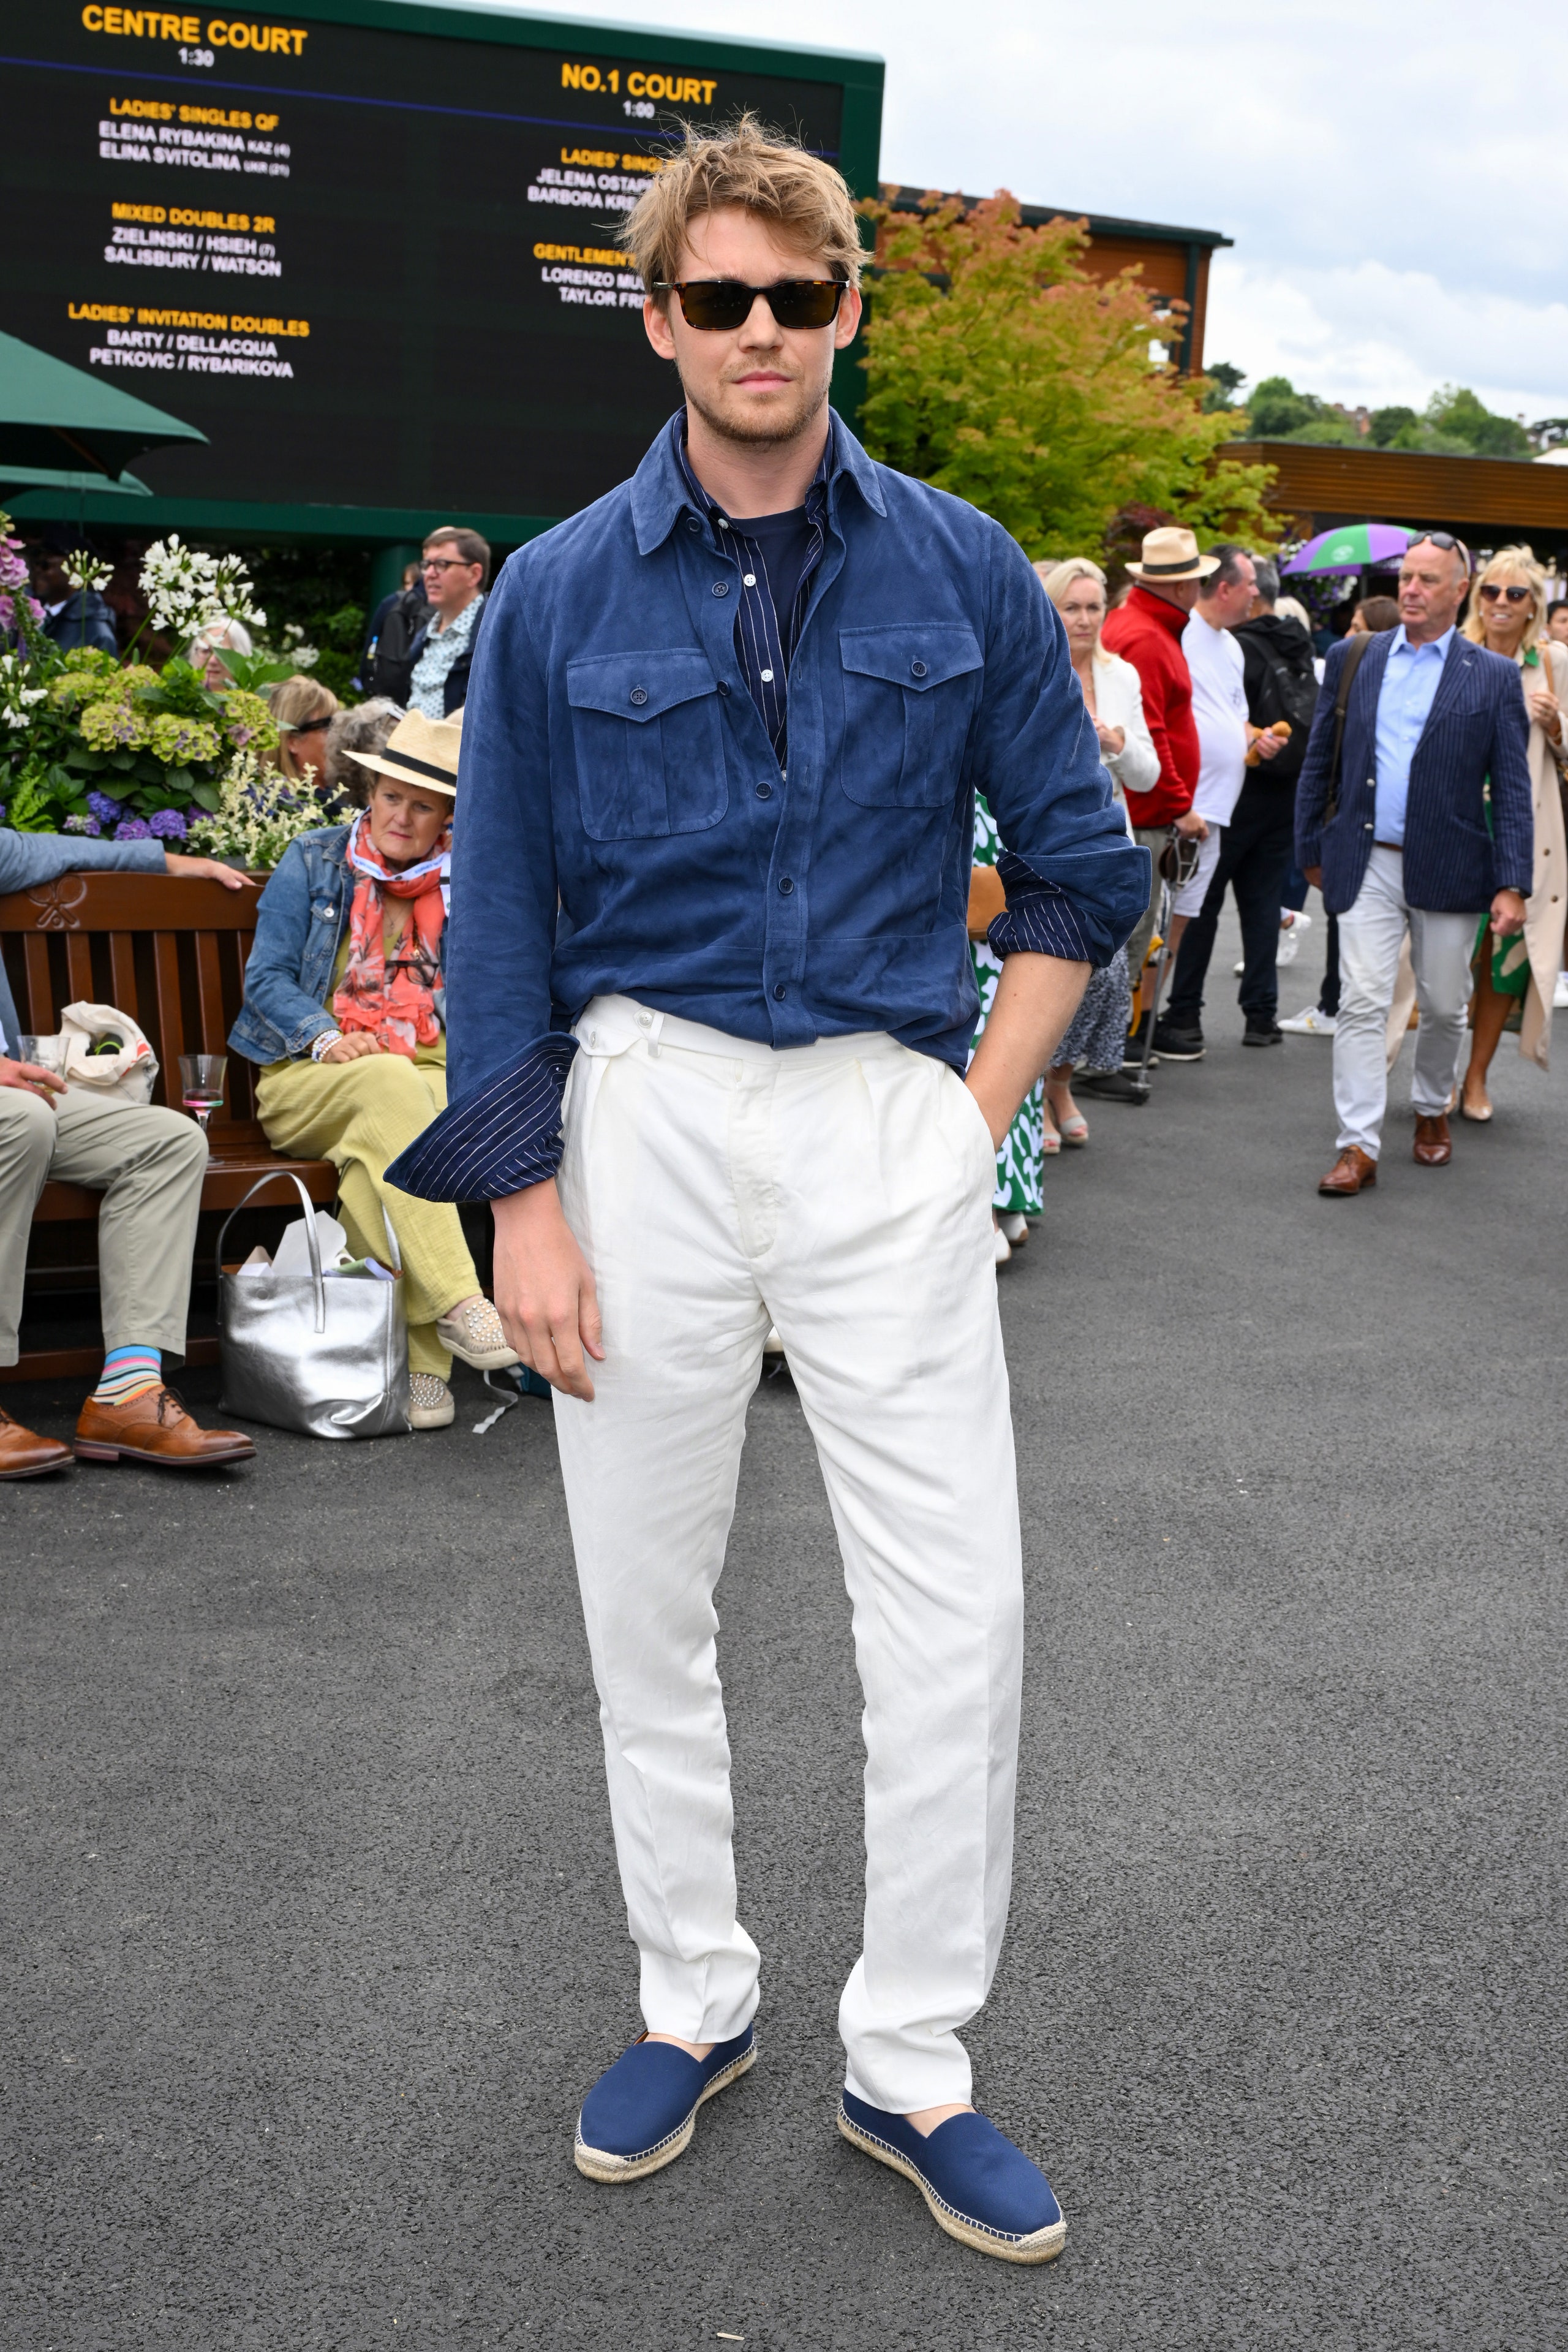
x=842 y=1191
x=1370 y=936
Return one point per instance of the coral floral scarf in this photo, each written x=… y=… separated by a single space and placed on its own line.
x=395 y=1001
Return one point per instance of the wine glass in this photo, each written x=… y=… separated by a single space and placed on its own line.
x=201 y=1085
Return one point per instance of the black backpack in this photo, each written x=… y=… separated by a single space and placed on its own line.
x=392 y=656
x=1281 y=684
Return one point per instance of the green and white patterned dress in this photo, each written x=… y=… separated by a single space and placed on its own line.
x=1021 y=1162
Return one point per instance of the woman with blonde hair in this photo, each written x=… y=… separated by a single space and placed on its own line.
x=304 y=712
x=1114 y=698
x=1507 y=616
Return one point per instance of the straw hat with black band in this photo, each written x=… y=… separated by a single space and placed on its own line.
x=1170 y=554
x=419 y=751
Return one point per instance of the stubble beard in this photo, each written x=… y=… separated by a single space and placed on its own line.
x=762 y=433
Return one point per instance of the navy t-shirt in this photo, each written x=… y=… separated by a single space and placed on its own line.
x=786 y=541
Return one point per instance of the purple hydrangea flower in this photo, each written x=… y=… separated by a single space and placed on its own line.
x=2 y=812
x=133 y=828
x=167 y=824
x=106 y=811
x=87 y=824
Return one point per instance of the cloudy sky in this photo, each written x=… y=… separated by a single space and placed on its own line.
x=1389 y=176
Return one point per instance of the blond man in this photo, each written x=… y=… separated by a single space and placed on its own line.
x=730 y=721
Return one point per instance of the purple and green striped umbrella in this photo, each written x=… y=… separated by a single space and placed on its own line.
x=1352 y=548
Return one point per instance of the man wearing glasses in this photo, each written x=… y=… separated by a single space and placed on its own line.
x=729 y=723
x=1394 y=823
x=454 y=567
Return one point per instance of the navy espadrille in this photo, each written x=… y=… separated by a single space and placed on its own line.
x=641 y=2113
x=981 y=2189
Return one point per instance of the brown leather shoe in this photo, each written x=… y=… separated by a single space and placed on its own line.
x=25 y=1456
x=1433 y=1148
x=1354 y=1171
x=155 y=1427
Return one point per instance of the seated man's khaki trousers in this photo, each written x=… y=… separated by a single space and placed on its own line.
x=843 y=1192
x=148 y=1164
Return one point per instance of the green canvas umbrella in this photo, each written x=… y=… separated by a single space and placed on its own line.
x=51 y=477
x=54 y=416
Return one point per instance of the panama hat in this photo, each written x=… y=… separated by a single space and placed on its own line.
x=1172 y=554
x=419 y=751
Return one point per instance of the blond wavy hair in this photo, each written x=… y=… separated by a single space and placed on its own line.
x=758 y=171
x=1510 y=563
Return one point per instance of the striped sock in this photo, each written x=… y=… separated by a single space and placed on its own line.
x=129 y=1372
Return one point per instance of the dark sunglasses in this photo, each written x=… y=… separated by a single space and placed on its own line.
x=306 y=726
x=1491 y=591
x=1445 y=539
x=718 y=305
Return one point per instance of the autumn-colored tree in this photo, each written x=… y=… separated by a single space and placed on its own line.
x=998 y=368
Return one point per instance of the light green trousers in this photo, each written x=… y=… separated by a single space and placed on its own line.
x=148 y=1164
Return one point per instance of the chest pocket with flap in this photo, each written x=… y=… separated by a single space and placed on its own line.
x=910 y=692
x=650 y=748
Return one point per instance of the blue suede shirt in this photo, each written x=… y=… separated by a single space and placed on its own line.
x=624 y=824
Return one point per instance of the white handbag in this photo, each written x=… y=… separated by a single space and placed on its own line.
x=107 y=1058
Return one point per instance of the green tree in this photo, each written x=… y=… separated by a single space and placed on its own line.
x=1394 y=428
x=1456 y=413
x=999 y=369
x=1224 y=383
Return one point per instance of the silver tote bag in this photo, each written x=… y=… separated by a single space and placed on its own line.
x=322 y=1354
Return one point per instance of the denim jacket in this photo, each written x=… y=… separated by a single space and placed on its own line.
x=299 y=925
x=624 y=824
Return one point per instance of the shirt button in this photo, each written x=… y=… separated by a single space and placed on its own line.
x=694 y=524
x=639 y=694
x=644 y=1020
x=721 y=522
x=779 y=991
x=723 y=685
x=721 y=587
x=785 y=887
x=917 y=669
x=767 y=678
x=765 y=791
x=749 y=581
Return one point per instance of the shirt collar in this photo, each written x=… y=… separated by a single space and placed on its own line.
x=1439 y=645
x=664 y=487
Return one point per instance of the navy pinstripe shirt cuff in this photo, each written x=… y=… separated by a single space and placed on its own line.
x=1042 y=920
x=498 y=1140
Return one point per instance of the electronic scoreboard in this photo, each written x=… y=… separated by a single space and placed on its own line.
x=368 y=248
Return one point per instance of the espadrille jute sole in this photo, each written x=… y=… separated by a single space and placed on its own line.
x=598 y=2164
x=1042 y=2247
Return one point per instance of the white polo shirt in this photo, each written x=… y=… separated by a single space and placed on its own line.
x=1220 y=711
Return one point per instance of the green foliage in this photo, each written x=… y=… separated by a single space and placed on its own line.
x=999 y=370
x=324 y=593
x=1224 y=383
x=1278 y=412
x=1457 y=414
x=1390 y=425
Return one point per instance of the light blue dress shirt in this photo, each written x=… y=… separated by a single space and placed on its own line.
x=1409 y=682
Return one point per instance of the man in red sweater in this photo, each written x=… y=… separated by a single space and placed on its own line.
x=1147 y=631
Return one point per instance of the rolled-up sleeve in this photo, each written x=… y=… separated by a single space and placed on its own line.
x=1076 y=885
x=506 y=1064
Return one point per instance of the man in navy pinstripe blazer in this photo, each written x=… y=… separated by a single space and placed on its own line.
x=1432 y=722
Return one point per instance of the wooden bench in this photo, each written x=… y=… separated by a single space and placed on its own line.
x=172 y=953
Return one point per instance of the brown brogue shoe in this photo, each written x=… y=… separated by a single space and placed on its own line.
x=1353 y=1171
x=24 y=1455
x=156 y=1427
x=1432 y=1146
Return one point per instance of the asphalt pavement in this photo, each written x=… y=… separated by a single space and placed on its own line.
x=314 y=1935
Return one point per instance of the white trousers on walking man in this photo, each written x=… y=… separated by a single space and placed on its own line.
x=843 y=1191
x=1370 y=936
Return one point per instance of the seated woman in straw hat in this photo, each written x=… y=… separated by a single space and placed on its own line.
x=344 y=1005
